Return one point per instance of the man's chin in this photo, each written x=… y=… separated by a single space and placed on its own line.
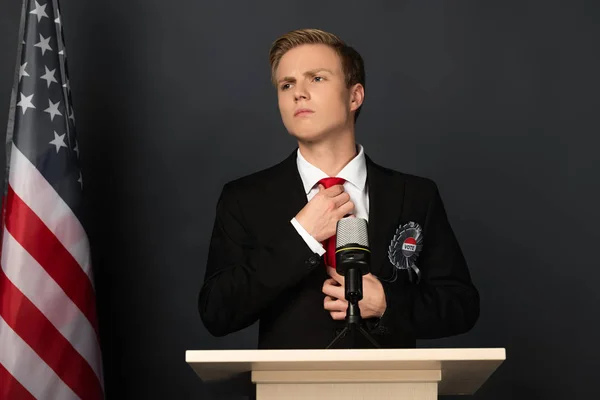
x=308 y=137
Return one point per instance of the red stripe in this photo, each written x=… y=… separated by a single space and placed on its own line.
x=39 y=241
x=10 y=388
x=52 y=347
x=2 y=224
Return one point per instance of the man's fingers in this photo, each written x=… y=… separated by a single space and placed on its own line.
x=341 y=199
x=338 y=315
x=335 y=305
x=329 y=281
x=336 y=278
x=346 y=208
x=333 y=290
x=334 y=191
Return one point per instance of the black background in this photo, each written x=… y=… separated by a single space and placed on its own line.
x=497 y=101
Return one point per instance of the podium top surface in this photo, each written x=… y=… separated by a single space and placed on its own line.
x=344 y=355
x=463 y=370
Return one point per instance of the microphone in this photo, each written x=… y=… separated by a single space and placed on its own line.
x=353 y=260
x=352 y=254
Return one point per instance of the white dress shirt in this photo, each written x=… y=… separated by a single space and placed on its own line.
x=355 y=174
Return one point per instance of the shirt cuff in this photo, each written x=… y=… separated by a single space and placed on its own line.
x=314 y=245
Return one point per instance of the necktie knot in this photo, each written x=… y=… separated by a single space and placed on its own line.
x=329 y=182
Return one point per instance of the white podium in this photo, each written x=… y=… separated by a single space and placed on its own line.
x=344 y=374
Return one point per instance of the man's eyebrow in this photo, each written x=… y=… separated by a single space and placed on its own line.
x=317 y=70
x=311 y=72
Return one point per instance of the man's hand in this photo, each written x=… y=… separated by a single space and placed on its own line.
x=320 y=216
x=372 y=305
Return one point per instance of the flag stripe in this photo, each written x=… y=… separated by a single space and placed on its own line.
x=27 y=367
x=52 y=347
x=35 y=191
x=40 y=242
x=10 y=388
x=33 y=281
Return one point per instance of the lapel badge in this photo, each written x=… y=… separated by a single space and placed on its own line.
x=405 y=247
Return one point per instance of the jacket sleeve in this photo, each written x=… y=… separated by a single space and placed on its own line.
x=444 y=302
x=243 y=276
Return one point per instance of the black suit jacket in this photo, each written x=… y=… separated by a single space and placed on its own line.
x=260 y=268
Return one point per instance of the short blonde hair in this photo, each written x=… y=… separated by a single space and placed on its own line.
x=352 y=63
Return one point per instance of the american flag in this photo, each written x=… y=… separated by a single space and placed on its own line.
x=49 y=341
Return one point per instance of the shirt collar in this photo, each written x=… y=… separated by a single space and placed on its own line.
x=355 y=172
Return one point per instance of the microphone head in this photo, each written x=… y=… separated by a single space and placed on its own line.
x=352 y=230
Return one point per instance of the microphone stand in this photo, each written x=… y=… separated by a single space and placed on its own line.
x=353 y=289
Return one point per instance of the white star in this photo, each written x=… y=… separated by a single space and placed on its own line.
x=49 y=76
x=62 y=53
x=40 y=11
x=80 y=180
x=22 y=71
x=44 y=44
x=72 y=115
x=57 y=20
x=67 y=85
x=53 y=109
x=59 y=141
x=25 y=102
x=76 y=149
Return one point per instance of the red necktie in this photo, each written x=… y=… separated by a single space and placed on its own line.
x=329 y=244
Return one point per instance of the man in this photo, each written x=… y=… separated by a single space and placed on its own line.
x=269 y=256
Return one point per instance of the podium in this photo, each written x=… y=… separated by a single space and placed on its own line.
x=332 y=374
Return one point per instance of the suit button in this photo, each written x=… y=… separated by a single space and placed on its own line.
x=314 y=260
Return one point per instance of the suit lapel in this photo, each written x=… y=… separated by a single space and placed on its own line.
x=386 y=198
x=287 y=187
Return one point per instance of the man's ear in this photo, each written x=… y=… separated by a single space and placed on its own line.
x=357 y=96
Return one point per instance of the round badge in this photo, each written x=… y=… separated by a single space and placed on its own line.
x=409 y=247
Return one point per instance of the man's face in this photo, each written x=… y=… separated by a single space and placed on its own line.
x=310 y=78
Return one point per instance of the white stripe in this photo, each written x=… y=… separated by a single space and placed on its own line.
x=39 y=287
x=31 y=186
x=29 y=369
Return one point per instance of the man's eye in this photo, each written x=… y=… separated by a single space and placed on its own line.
x=319 y=77
x=285 y=86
